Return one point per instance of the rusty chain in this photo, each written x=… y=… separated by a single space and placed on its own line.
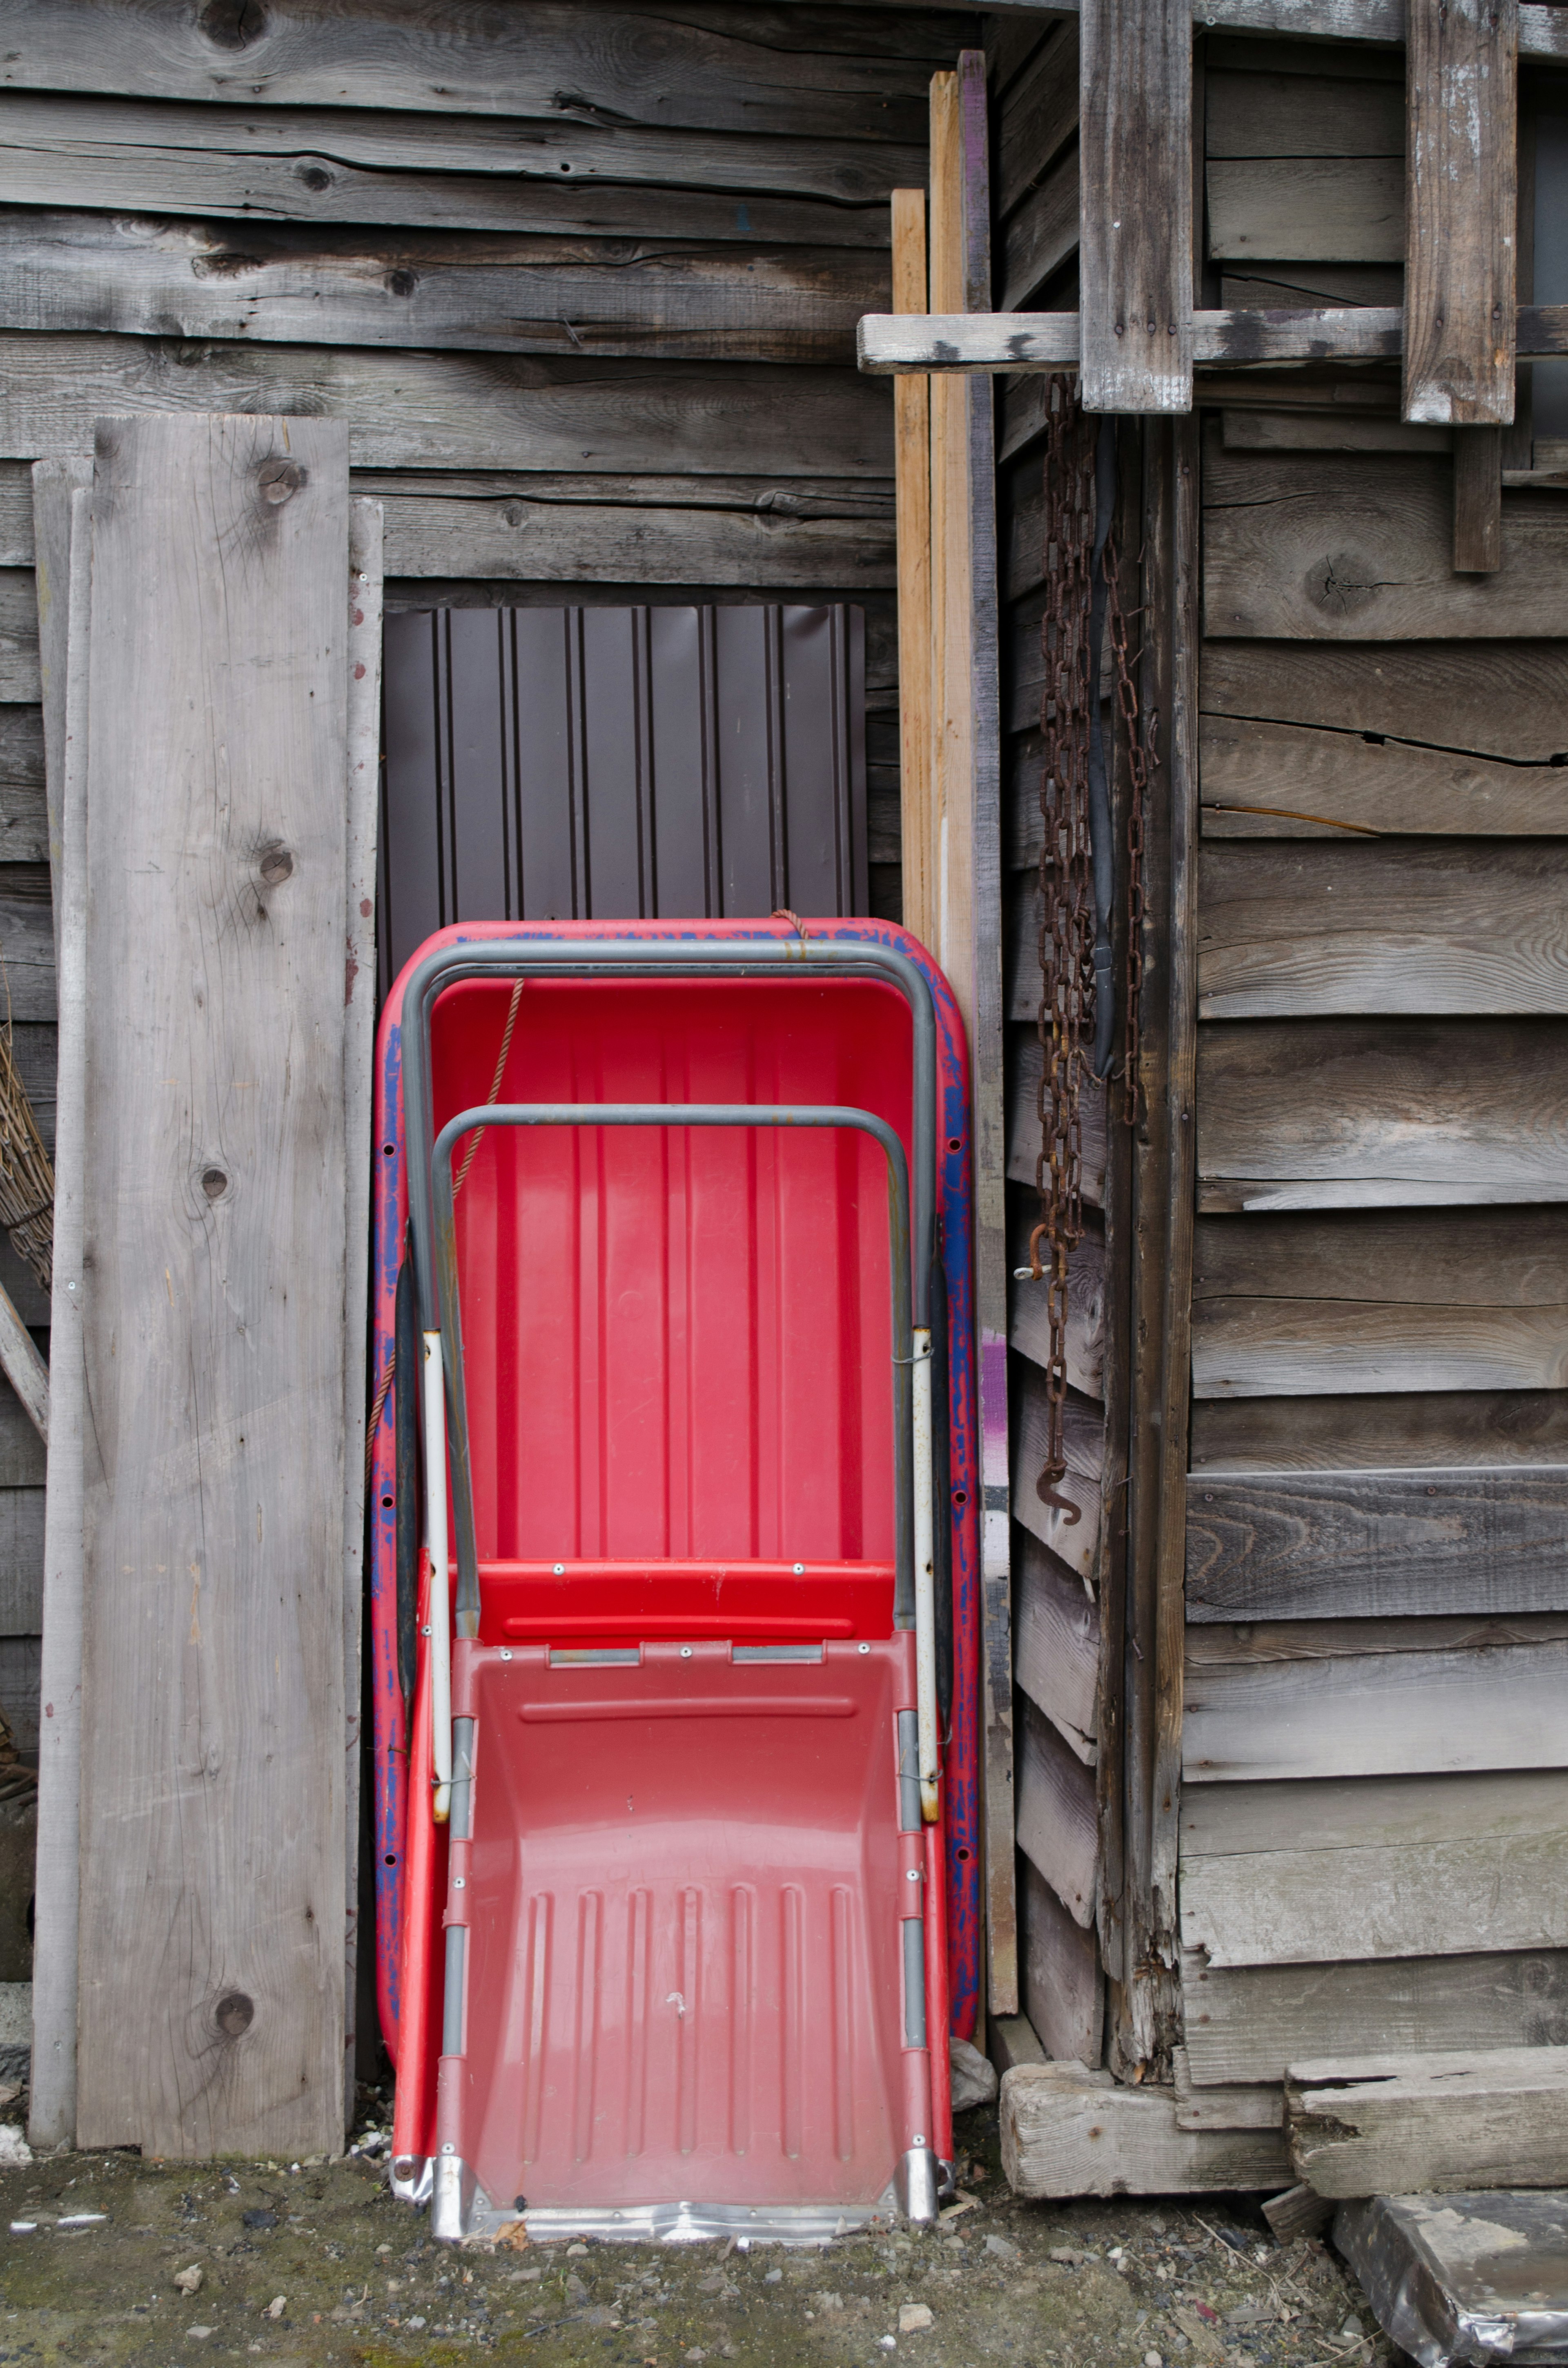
x=1066 y=938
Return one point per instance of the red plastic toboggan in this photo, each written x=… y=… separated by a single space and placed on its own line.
x=676 y=1665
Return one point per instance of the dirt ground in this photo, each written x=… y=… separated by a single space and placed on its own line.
x=315 y=2264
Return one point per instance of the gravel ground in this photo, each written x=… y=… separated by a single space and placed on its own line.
x=313 y=2263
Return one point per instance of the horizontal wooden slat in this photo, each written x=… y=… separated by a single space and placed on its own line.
x=1247 y=2025
x=1280 y=286
x=1037 y=118
x=460 y=411
x=1321 y=431
x=1286 y=1307
x=639 y=298
x=1446 y=925
x=1386 y=1114
x=1365 y=59
x=27 y=940
x=1408 y=1431
x=21 y=1449
x=1302 y=1699
x=1041 y=234
x=1273 y=114
x=1324 y=547
x=1028 y=1328
x=1083 y=1442
x=1307 y=209
x=1412 y=1866
x=1263 y=780
x=1357 y=1545
x=21 y=1555
x=1056 y=1632
x=1057 y=1831
x=1024 y=1065
x=19 y=636
x=859 y=74
x=556 y=541
x=1361 y=2124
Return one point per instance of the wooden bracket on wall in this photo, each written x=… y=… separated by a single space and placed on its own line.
x=1135 y=204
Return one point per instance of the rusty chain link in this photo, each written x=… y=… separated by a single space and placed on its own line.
x=1066 y=940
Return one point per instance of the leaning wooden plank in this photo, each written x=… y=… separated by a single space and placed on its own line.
x=1065 y=2133
x=1361 y=2124
x=1308 y=1546
x=1461 y=251
x=1083 y=1439
x=1307 y=210
x=1399 y=1866
x=1056 y=1628
x=52 y=2104
x=458 y=172
x=1460 y=926
x=1325 y=548
x=1063 y=1987
x=1300 y=1702
x=646 y=298
x=1057 y=1831
x=1249 y=2023
x=1135 y=179
x=1381 y=1113
x=861 y=78
x=23 y=1367
x=628 y=542
x=455 y=411
x=911 y=447
x=214 y=1676
x=54 y=483
x=362 y=746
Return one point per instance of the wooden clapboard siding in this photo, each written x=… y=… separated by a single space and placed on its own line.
x=1056 y=1631
x=1371 y=1544
x=1249 y=2023
x=1381 y=1113
x=1401 y=1431
x=1452 y=925
x=1037 y=117
x=1286 y=287
x=1320 y=1870
x=19 y=1691
x=1308 y=209
x=461 y=411
x=1062 y=1987
x=1040 y=236
x=1025 y=1061
x=16 y=523
x=19 y=636
x=21 y=1532
x=848 y=72
x=433 y=171
x=1370 y=1697
x=1028 y=1328
x=1083 y=1440
x=1358 y=2123
x=1057 y=1829
x=1350 y=547
x=1269 y=113
x=643 y=298
x=1320 y=431
x=1287 y=1306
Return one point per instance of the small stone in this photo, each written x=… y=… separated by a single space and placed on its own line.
x=1003 y=2247
x=188 y=2281
x=772 y=2277
x=696 y=2352
x=1067 y=2254
x=886 y=2343
x=1153 y=2360
x=913 y=2317
x=580 y=2252
x=276 y=2306
x=416 y=2322
x=973 y=2076
x=199 y=2334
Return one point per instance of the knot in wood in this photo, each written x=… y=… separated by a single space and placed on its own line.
x=279 y=477
x=276 y=866
x=234 y=2014
x=232 y=24
x=401 y=282
x=214 y=1183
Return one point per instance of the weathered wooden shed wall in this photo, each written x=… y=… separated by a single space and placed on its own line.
x=582 y=280
x=1373 y=1821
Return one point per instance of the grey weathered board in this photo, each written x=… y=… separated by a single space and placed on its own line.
x=211 y=2009
x=458 y=411
x=1038 y=116
x=1063 y=1990
x=1401 y=1431
x=1028 y=1326
x=1135 y=163
x=1056 y=1644
x=1069 y=2132
x=1083 y=1442
x=1307 y=210
x=1300 y=1699
x=1310 y=1545
x=1450 y=924
x=1249 y=2022
x=1024 y=1066
x=1353 y=547
x=642 y=298
x=19 y=677
x=324 y=164
x=1461 y=211
x=1392 y=1866
x=1040 y=236
x=1381 y=1113
x=1057 y=1829
x=21 y=1556
x=1359 y=2126
x=1279 y=114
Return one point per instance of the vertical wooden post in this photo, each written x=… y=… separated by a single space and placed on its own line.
x=912 y=463
x=949 y=556
x=1478 y=500
x=1135 y=204
x=211 y=1942
x=1460 y=206
x=52 y=2119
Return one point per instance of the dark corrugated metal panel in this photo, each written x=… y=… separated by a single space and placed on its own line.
x=617 y=764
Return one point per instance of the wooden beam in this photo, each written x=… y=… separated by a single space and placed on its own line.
x=1306 y=1545
x=912 y=463
x=1361 y=2124
x=212 y=1966
x=1460 y=251
x=1478 y=500
x=1067 y=2132
x=1135 y=204
x=1405 y=1431
x=1001 y=342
